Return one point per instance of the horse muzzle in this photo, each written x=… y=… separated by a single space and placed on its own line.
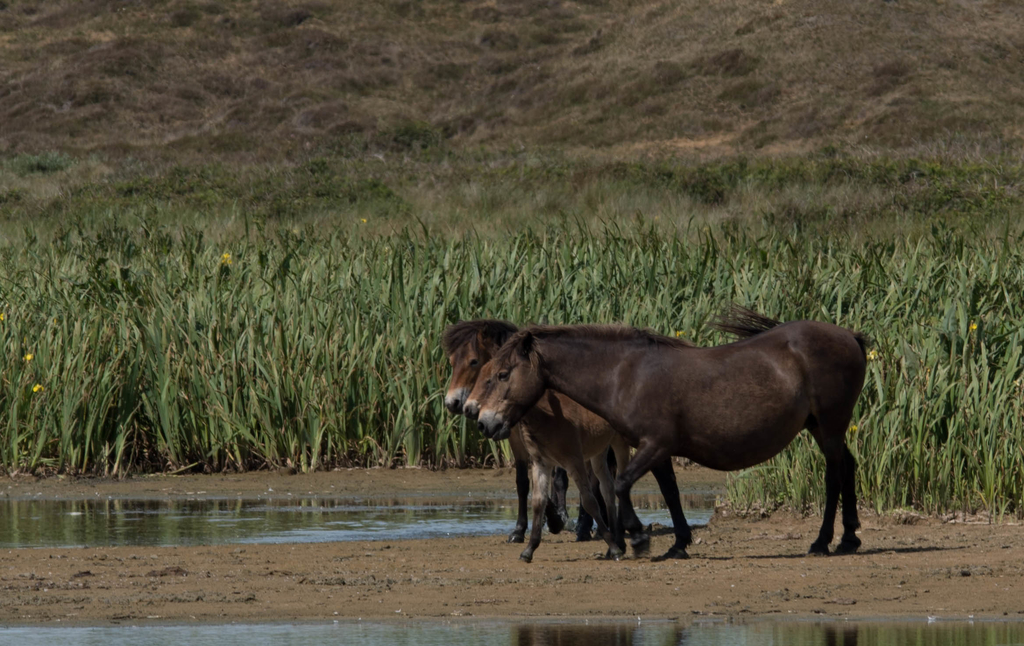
x=492 y=426
x=454 y=401
x=471 y=409
x=503 y=432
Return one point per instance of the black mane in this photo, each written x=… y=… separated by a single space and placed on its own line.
x=599 y=332
x=463 y=332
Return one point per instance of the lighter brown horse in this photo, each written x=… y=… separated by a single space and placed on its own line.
x=555 y=432
x=726 y=407
x=469 y=345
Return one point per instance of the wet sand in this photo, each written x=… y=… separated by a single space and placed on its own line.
x=908 y=566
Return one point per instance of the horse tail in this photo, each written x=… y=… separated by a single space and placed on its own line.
x=864 y=341
x=743 y=323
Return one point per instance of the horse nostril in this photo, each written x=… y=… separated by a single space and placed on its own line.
x=481 y=427
x=470 y=410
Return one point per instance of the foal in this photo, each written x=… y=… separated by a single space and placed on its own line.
x=469 y=345
x=726 y=407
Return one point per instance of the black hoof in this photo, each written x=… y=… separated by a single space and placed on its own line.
x=641 y=545
x=673 y=553
x=516 y=537
x=613 y=554
x=848 y=547
x=818 y=550
x=526 y=557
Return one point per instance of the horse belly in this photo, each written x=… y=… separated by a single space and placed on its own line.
x=743 y=434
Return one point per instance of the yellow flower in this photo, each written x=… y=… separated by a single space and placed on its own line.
x=872 y=355
x=29 y=356
x=974 y=326
x=38 y=388
x=1 y=316
x=853 y=428
x=679 y=333
x=364 y=220
x=225 y=259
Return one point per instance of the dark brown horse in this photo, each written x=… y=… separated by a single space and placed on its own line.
x=726 y=407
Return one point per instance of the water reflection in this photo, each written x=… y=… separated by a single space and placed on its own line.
x=767 y=633
x=96 y=522
x=601 y=634
x=869 y=633
x=756 y=633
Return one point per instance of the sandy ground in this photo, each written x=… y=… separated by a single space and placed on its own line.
x=908 y=567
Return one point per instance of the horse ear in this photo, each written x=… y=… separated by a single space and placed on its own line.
x=526 y=344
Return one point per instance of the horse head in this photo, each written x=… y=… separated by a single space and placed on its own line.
x=508 y=385
x=469 y=345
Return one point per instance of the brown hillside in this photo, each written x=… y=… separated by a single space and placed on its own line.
x=257 y=80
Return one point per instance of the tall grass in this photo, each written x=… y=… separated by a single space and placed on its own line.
x=141 y=347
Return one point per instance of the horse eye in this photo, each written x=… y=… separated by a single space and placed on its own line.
x=474 y=363
x=503 y=375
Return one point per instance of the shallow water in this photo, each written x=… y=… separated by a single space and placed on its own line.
x=576 y=633
x=102 y=522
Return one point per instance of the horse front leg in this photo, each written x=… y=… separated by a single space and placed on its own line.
x=555 y=510
x=541 y=484
x=584 y=522
x=647 y=455
x=518 y=534
x=618 y=459
x=607 y=486
x=666 y=478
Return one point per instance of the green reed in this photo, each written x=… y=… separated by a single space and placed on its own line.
x=140 y=347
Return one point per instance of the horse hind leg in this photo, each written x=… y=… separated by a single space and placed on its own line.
x=820 y=546
x=839 y=478
x=541 y=485
x=578 y=472
x=599 y=463
x=850 y=541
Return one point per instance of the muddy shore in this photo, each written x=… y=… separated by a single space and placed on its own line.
x=908 y=567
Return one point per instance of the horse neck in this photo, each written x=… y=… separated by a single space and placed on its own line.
x=585 y=370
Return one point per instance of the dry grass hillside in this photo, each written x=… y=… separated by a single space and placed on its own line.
x=262 y=80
